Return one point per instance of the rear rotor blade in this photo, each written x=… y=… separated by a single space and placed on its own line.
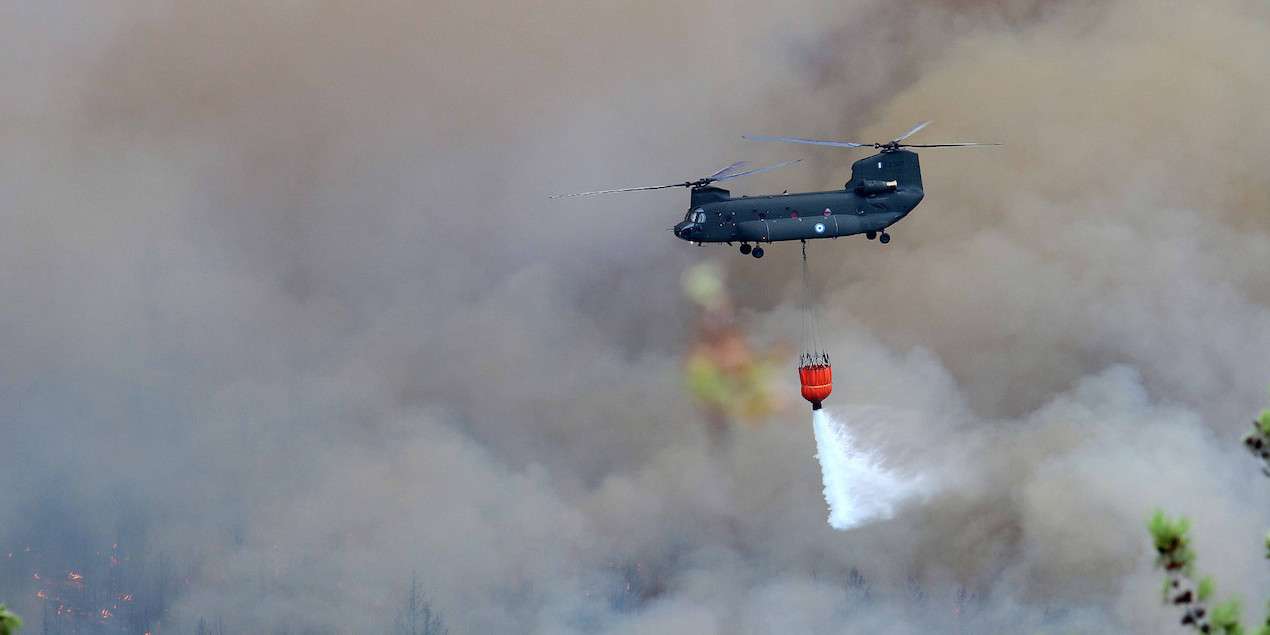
x=914 y=130
x=739 y=165
x=622 y=189
x=946 y=145
x=759 y=170
x=812 y=142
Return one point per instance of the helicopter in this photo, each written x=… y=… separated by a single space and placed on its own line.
x=883 y=189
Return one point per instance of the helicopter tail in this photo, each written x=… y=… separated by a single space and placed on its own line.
x=898 y=169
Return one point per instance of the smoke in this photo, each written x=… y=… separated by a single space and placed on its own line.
x=858 y=487
x=288 y=315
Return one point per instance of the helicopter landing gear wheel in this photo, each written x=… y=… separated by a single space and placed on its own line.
x=745 y=248
x=884 y=238
x=757 y=253
x=870 y=235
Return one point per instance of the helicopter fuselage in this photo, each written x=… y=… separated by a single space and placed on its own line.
x=883 y=189
x=765 y=219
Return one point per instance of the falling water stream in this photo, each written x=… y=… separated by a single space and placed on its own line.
x=858 y=488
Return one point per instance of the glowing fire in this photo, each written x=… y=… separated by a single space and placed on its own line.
x=52 y=591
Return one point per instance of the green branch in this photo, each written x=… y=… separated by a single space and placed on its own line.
x=1175 y=556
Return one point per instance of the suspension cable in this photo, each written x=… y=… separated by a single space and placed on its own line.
x=812 y=352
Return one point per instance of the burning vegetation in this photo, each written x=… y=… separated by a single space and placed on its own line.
x=109 y=592
x=731 y=378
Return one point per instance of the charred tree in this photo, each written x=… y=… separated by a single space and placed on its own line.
x=416 y=616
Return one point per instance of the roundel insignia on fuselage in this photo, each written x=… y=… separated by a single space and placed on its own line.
x=820 y=228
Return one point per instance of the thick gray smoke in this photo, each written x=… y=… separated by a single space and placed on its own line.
x=288 y=315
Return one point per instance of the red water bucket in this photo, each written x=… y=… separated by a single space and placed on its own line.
x=817 y=381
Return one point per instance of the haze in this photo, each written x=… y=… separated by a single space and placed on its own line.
x=289 y=318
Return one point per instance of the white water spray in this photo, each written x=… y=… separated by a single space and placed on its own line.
x=858 y=489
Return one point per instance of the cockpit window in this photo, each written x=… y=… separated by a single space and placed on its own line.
x=697 y=216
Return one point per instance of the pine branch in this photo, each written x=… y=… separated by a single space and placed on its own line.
x=1175 y=556
x=1178 y=560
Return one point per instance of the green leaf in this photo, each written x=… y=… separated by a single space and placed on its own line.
x=1206 y=587
x=1263 y=422
x=1186 y=557
x=1225 y=617
x=1168 y=534
x=9 y=623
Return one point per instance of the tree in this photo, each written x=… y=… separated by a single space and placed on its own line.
x=1175 y=556
x=205 y=629
x=416 y=616
x=9 y=623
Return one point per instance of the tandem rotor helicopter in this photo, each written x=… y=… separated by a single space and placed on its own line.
x=883 y=189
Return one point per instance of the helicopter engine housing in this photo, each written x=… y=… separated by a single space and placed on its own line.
x=869 y=187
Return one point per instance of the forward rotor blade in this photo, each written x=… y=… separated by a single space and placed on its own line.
x=759 y=170
x=912 y=131
x=811 y=142
x=946 y=145
x=622 y=189
x=728 y=173
x=739 y=165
